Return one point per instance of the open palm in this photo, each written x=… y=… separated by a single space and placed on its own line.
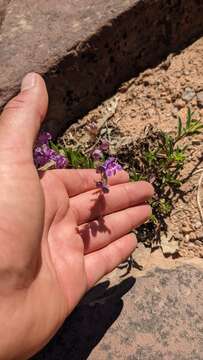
x=58 y=234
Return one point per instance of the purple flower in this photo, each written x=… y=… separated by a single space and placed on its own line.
x=104 y=145
x=92 y=128
x=44 y=154
x=104 y=187
x=110 y=167
x=97 y=154
x=60 y=161
x=43 y=138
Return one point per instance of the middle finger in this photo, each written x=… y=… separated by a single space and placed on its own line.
x=100 y=233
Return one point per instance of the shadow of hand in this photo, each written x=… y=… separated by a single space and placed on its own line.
x=84 y=329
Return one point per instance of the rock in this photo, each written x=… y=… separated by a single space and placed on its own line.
x=191 y=245
x=182 y=82
x=198 y=224
x=188 y=94
x=193 y=236
x=186 y=229
x=169 y=245
x=159 y=316
x=178 y=74
x=179 y=103
x=187 y=238
x=85 y=49
x=198 y=242
x=174 y=112
x=142 y=255
x=200 y=99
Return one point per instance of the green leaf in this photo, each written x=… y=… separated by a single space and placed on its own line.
x=195 y=127
x=154 y=219
x=135 y=176
x=179 y=156
x=54 y=146
x=180 y=126
x=150 y=157
x=188 y=118
x=169 y=143
x=165 y=207
x=79 y=160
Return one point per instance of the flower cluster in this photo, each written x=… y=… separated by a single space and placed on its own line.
x=44 y=154
x=109 y=168
x=97 y=153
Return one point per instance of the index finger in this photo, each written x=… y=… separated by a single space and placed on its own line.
x=78 y=181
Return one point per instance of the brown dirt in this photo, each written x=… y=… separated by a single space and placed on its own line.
x=157 y=97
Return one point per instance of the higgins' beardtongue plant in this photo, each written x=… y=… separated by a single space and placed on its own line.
x=49 y=156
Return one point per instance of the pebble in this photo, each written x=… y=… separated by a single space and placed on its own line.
x=194 y=101
x=186 y=229
x=188 y=94
x=187 y=238
x=193 y=237
x=201 y=254
x=191 y=246
x=174 y=112
x=198 y=242
x=200 y=99
x=178 y=74
x=182 y=82
x=168 y=100
x=198 y=225
x=196 y=142
x=179 y=103
x=151 y=112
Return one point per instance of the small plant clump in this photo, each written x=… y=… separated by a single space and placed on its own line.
x=48 y=155
x=157 y=157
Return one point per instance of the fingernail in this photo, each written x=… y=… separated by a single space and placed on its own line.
x=29 y=81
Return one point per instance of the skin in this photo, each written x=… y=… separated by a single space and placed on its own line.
x=58 y=234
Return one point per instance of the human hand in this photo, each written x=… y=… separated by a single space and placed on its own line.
x=58 y=234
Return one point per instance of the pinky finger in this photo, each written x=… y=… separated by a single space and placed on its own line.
x=103 y=261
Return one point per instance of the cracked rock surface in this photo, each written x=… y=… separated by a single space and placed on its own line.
x=155 y=317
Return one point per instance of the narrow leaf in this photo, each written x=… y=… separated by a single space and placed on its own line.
x=180 y=126
x=189 y=116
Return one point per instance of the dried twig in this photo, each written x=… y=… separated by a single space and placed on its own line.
x=199 y=192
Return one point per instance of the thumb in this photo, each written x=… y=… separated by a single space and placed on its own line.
x=21 y=118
